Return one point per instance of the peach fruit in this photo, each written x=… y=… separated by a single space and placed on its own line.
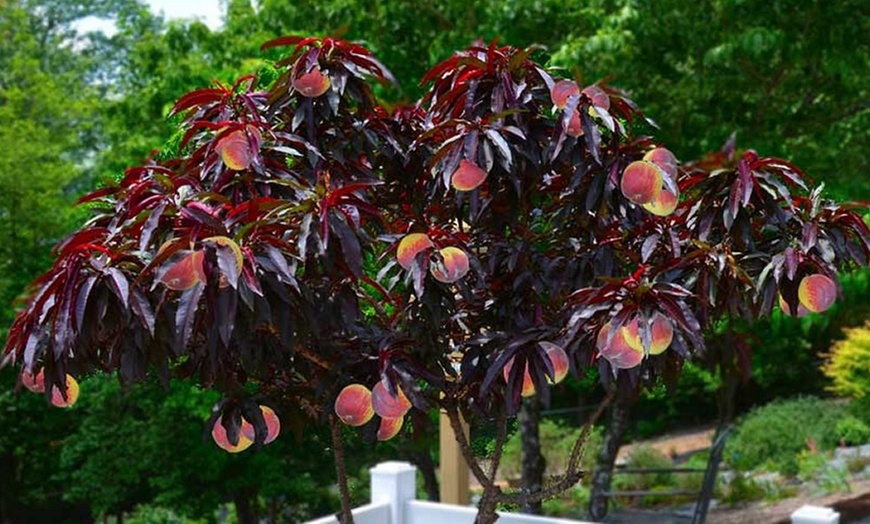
x=35 y=383
x=185 y=273
x=312 y=84
x=642 y=182
x=388 y=406
x=452 y=267
x=662 y=334
x=558 y=358
x=617 y=351
x=664 y=204
x=219 y=434
x=801 y=310
x=410 y=246
x=562 y=91
x=663 y=158
x=389 y=428
x=817 y=292
x=468 y=176
x=238 y=148
x=72 y=394
x=354 y=405
x=598 y=96
x=273 y=425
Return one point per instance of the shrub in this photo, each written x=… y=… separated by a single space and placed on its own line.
x=645 y=457
x=846 y=364
x=774 y=434
x=557 y=440
x=852 y=431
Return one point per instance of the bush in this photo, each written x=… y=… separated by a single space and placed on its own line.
x=773 y=435
x=557 y=440
x=851 y=431
x=846 y=364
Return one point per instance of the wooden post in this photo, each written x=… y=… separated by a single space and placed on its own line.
x=454 y=470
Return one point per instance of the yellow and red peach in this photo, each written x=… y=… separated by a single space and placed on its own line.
x=817 y=292
x=388 y=406
x=801 y=310
x=389 y=428
x=220 y=437
x=35 y=383
x=354 y=405
x=72 y=393
x=410 y=246
x=558 y=358
x=562 y=91
x=468 y=176
x=598 y=97
x=452 y=266
x=528 y=386
x=575 y=127
x=616 y=350
x=312 y=84
x=662 y=334
x=238 y=148
x=185 y=273
x=664 y=204
x=663 y=158
x=642 y=181
x=273 y=425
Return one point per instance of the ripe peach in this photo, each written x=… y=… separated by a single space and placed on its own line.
x=312 y=84
x=388 y=406
x=559 y=359
x=273 y=425
x=575 y=127
x=528 y=386
x=237 y=149
x=663 y=158
x=389 y=428
x=598 y=96
x=185 y=273
x=453 y=267
x=642 y=182
x=468 y=176
x=35 y=383
x=664 y=204
x=410 y=246
x=617 y=352
x=662 y=335
x=801 y=310
x=354 y=405
x=817 y=292
x=72 y=394
x=219 y=435
x=562 y=91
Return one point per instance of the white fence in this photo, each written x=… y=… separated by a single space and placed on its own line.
x=393 y=486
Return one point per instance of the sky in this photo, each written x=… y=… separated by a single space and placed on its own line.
x=208 y=11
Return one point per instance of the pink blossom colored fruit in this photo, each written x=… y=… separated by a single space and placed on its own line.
x=238 y=148
x=35 y=383
x=528 y=386
x=575 y=127
x=410 y=246
x=273 y=425
x=817 y=292
x=388 y=406
x=663 y=205
x=663 y=158
x=617 y=351
x=801 y=310
x=185 y=273
x=354 y=405
x=452 y=266
x=562 y=91
x=72 y=394
x=662 y=334
x=558 y=358
x=642 y=182
x=598 y=97
x=389 y=428
x=312 y=84
x=219 y=435
x=468 y=176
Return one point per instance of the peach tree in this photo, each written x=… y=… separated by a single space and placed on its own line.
x=318 y=258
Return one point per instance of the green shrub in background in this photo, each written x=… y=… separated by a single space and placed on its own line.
x=851 y=431
x=557 y=441
x=643 y=457
x=772 y=436
x=846 y=364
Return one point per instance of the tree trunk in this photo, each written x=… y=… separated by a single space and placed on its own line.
x=532 y=460
x=603 y=472
x=422 y=458
x=245 y=512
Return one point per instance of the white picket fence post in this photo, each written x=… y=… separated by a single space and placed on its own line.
x=815 y=515
x=394 y=483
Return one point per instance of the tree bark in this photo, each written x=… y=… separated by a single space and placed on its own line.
x=533 y=463
x=244 y=511
x=345 y=517
x=603 y=472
